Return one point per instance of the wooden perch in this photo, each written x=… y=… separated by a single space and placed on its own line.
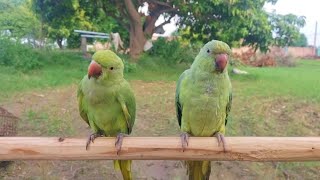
x=166 y=148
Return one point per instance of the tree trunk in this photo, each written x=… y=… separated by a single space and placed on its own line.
x=139 y=32
x=43 y=34
x=59 y=42
x=137 y=40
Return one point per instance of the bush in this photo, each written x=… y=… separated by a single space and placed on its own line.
x=152 y=62
x=172 y=51
x=129 y=67
x=74 y=41
x=61 y=57
x=276 y=57
x=164 y=49
x=286 y=60
x=19 y=56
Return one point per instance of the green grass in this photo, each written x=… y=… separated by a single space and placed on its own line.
x=40 y=123
x=59 y=68
x=302 y=81
x=65 y=68
x=161 y=73
x=151 y=68
x=267 y=97
x=280 y=101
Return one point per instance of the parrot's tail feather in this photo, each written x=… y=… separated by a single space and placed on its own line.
x=125 y=167
x=198 y=170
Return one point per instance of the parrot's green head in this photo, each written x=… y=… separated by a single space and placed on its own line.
x=105 y=64
x=213 y=57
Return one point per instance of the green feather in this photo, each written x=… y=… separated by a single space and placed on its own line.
x=177 y=101
x=107 y=103
x=107 y=58
x=203 y=100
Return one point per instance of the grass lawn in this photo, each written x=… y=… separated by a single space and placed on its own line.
x=60 y=68
x=301 y=82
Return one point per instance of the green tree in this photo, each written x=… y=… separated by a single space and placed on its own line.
x=232 y=21
x=301 y=41
x=286 y=28
x=17 y=20
x=100 y=22
x=227 y=20
x=60 y=17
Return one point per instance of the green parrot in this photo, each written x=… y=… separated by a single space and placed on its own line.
x=107 y=103
x=203 y=101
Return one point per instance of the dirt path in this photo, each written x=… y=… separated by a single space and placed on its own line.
x=54 y=112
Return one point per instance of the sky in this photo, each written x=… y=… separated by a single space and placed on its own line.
x=307 y=8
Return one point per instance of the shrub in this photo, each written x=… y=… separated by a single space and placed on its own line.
x=275 y=57
x=285 y=59
x=172 y=51
x=19 y=56
x=152 y=62
x=129 y=67
x=61 y=57
x=74 y=41
x=164 y=48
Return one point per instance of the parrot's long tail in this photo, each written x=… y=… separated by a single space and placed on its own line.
x=199 y=170
x=125 y=167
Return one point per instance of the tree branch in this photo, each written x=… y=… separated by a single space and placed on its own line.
x=118 y=19
x=166 y=148
x=169 y=11
x=132 y=12
x=159 y=3
x=150 y=26
x=165 y=22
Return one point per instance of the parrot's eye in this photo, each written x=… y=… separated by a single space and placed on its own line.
x=111 y=68
x=208 y=51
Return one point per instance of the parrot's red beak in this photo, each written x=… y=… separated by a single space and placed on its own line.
x=94 y=70
x=221 y=62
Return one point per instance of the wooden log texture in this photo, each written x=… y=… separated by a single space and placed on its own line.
x=166 y=148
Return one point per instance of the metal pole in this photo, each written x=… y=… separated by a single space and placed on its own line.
x=315 y=40
x=84 y=45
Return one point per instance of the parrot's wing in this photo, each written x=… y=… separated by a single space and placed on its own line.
x=128 y=103
x=177 y=99
x=228 y=107
x=82 y=105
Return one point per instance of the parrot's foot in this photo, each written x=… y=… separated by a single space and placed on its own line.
x=91 y=138
x=184 y=140
x=118 y=142
x=221 y=140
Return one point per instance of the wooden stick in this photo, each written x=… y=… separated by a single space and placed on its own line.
x=166 y=148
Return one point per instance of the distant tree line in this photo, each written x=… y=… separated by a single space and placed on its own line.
x=237 y=22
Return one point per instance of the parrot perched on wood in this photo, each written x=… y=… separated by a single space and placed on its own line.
x=107 y=103
x=203 y=101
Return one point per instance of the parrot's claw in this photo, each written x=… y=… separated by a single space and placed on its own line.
x=118 y=142
x=91 y=138
x=184 y=140
x=221 y=140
